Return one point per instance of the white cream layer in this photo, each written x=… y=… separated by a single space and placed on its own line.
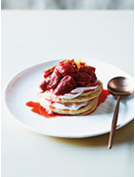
x=74 y=93
x=69 y=106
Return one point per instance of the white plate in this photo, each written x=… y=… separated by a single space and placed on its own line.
x=23 y=88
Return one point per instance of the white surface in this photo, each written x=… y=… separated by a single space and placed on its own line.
x=32 y=37
x=22 y=89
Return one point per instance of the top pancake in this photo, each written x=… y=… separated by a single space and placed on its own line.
x=86 y=96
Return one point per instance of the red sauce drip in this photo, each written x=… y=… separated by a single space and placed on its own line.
x=102 y=98
x=37 y=108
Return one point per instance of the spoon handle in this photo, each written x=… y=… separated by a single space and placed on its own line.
x=114 y=122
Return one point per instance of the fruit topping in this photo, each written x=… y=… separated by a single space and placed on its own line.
x=65 y=69
x=83 y=67
x=83 y=79
x=68 y=75
x=66 y=85
x=48 y=72
x=51 y=81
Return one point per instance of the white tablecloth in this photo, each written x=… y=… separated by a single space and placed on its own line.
x=32 y=37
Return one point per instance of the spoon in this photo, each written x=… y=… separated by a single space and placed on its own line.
x=118 y=86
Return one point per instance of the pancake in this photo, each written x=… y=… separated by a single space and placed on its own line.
x=81 y=111
x=86 y=96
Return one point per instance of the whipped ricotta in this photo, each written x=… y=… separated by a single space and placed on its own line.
x=69 y=106
x=73 y=94
x=76 y=92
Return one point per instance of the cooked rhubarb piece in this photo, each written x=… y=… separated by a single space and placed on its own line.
x=88 y=69
x=94 y=78
x=85 y=68
x=82 y=79
x=65 y=85
x=48 y=72
x=66 y=69
x=92 y=84
x=51 y=81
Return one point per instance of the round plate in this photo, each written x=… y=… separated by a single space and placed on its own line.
x=23 y=88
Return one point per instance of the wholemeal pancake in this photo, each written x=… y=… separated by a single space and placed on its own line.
x=81 y=111
x=86 y=96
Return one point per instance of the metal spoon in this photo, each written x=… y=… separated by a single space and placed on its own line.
x=118 y=86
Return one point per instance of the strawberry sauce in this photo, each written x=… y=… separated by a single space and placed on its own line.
x=38 y=109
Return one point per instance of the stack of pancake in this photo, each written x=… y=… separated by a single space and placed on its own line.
x=70 y=88
x=86 y=102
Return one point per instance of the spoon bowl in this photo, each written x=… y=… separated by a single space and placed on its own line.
x=118 y=86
